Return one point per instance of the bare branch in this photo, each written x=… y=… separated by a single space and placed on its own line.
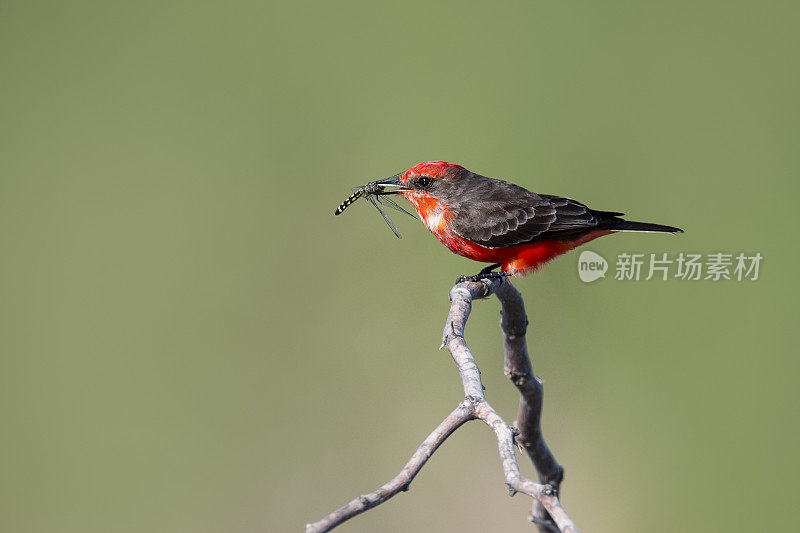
x=545 y=495
x=462 y=413
x=514 y=324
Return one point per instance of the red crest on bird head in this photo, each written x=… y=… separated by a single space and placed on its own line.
x=432 y=169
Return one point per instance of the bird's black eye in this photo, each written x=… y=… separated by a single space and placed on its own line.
x=424 y=181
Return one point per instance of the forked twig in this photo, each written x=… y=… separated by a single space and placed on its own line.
x=547 y=511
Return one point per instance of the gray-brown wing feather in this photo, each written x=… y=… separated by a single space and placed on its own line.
x=504 y=214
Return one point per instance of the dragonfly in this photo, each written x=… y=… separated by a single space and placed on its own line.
x=375 y=192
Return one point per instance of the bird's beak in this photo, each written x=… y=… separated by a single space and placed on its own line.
x=394 y=183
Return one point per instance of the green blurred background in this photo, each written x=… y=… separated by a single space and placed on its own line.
x=191 y=342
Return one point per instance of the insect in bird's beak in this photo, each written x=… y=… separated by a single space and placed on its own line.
x=393 y=182
x=373 y=191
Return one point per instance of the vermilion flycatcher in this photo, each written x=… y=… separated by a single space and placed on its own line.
x=493 y=221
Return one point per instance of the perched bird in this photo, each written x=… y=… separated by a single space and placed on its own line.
x=493 y=221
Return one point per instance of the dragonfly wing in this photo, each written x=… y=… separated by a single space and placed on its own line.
x=391 y=203
x=385 y=216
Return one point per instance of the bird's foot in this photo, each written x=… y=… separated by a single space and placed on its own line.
x=484 y=275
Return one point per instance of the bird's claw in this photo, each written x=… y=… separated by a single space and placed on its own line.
x=484 y=275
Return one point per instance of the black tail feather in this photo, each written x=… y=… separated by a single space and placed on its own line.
x=617 y=224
